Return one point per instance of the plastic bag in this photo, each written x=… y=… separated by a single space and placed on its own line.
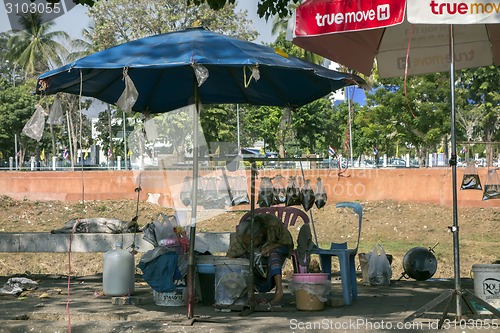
x=319 y=289
x=471 y=180
x=307 y=196
x=379 y=268
x=240 y=193
x=210 y=195
x=161 y=232
x=17 y=285
x=164 y=227
x=129 y=95
x=265 y=198
x=492 y=185
x=224 y=191
x=320 y=194
x=292 y=193
x=56 y=113
x=34 y=127
x=186 y=191
x=279 y=190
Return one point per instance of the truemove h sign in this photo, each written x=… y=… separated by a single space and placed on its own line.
x=454 y=12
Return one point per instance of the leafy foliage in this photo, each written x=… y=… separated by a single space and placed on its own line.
x=266 y=8
x=36 y=47
x=17 y=105
x=119 y=21
x=418 y=117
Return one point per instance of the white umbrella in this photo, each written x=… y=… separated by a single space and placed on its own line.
x=447 y=36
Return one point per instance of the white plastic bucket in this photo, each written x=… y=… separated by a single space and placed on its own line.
x=487 y=283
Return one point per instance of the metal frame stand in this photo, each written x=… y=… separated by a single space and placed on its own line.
x=458 y=293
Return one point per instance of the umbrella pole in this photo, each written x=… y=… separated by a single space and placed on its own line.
x=453 y=163
x=194 y=203
x=253 y=174
x=459 y=294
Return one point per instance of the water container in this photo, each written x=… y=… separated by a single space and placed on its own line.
x=118 y=272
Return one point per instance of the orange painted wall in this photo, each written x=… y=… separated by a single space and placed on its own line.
x=432 y=185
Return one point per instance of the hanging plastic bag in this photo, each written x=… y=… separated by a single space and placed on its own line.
x=186 y=191
x=320 y=194
x=200 y=193
x=292 y=193
x=224 y=192
x=56 y=113
x=279 y=190
x=210 y=193
x=471 y=179
x=492 y=185
x=34 y=127
x=240 y=193
x=379 y=268
x=265 y=198
x=129 y=95
x=307 y=196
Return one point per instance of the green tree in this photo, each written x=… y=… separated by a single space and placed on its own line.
x=219 y=123
x=279 y=27
x=311 y=122
x=260 y=123
x=36 y=48
x=478 y=111
x=265 y=8
x=17 y=104
x=420 y=117
x=118 y=21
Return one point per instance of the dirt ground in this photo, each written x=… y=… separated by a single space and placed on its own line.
x=397 y=226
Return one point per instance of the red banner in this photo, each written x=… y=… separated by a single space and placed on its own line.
x=316 y=17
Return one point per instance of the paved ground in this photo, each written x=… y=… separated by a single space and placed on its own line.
x=378 y=309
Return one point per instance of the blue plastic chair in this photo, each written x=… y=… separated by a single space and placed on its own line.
x=346 y=258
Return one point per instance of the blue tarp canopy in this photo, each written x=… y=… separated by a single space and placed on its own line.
x=162 y=68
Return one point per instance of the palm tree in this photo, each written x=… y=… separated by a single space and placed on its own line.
x=280 y=25
x=36 y=49
x=83 y=46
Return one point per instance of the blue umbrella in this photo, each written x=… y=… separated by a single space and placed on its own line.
x=161 y=68
x=195 y=66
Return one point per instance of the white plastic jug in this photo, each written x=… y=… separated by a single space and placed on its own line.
x=118 y=272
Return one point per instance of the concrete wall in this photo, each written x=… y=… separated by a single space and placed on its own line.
x=432 y=185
